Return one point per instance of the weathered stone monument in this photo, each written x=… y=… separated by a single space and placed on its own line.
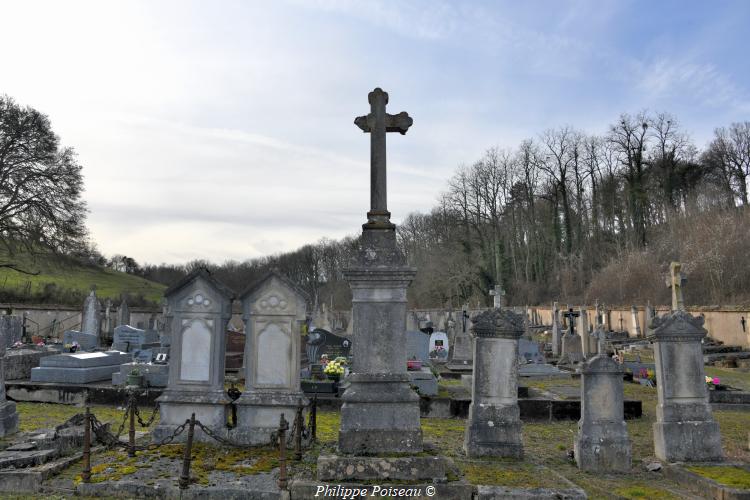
x=11 y=329
x=498 y=296
x=91 y=320
x=494 y=424
x=572 y=346
x=602 y=443
x=380 y=413
x=123 y=313
x=583 y=332
x=685 y=430
x=462 y=354
x=273 y=310
x=636 y=332
x=8 y=414
x=200 y=307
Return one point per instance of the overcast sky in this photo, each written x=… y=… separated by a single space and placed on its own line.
x=224 y=130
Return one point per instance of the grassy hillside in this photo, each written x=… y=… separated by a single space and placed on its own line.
x=68 y=282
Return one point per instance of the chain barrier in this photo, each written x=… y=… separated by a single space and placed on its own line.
x=104 y=436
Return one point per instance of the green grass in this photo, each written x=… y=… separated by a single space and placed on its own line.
x=734 y=477
x=68 y=276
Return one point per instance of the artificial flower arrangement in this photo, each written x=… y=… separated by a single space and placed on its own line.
x=712 y=382
x=334 y=368
x=70 y=347
x=18 y=344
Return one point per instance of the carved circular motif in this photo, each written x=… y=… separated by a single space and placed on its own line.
x=273 y=301
x=199 y=298
x=206 y=302
x=283 y=304
x=190 y=301
x=263 y=303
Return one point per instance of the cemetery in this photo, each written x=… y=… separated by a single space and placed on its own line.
x=481 y=403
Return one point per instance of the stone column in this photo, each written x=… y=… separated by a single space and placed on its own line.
x=8 y=414
x=685 y=430
x=380 y=412
x=494 y=424
x=123 y=313
x=556 y=331
x=583 y=332
x=636 y=321
x=602 y=442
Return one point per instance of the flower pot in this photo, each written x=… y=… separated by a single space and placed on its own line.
x=135 y=380
x=413 y=365
x=334 y=377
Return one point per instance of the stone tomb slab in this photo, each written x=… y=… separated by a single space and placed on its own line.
x=79 y=368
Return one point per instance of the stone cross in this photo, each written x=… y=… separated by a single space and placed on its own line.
x=497 y=295
x=675 y=281
x=377 y=123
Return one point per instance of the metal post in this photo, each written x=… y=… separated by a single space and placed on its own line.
x=299 y=423
x=283 y=427
x=314 y=419
x=86 y=474
x=131 y=431
x=185 y=476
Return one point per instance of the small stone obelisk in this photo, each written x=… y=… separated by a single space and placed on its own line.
x=380 y=412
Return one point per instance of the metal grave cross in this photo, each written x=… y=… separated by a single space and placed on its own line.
x=377 y=123
x=571 y=315
x=675 y=281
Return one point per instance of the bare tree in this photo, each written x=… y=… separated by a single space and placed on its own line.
x=40 y=185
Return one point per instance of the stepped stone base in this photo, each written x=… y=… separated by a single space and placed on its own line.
x=357 y=468
x=690 y=441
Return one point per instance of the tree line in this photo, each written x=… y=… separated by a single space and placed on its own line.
x=563 y=216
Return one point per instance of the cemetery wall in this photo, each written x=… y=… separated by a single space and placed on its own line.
x=723 y=324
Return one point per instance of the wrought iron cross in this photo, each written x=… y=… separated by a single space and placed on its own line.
x=675 y=281
x=571 y=315
x=378 y=123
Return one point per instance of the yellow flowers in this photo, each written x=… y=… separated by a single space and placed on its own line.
x=334 y=368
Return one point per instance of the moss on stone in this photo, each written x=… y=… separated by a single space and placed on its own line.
x=732 y=476
x=638 y=491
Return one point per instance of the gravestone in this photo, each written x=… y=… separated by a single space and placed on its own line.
x=380 y=412
x=272 y=309
x=200 y=307
x=86 y=341
x=11 y=329
x=123 y=313
x=417 y=345
x=493 y=427
x=461 y=354
x=685 y=430
x=129 y=339
x=572 y=346
x=320 y=342
x=439 y=346
x=529 y=352
x=557 y=332
x=91 y=318
x=79 y=367
x=8 y=414
x=602 y=443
